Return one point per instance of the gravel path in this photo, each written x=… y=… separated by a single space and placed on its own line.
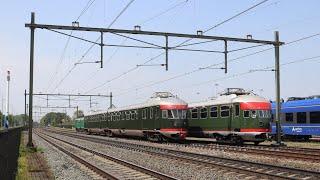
x=62 y=166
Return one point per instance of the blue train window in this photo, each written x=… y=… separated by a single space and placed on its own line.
x=315 y=117
x=289 y=117
x=301 y=117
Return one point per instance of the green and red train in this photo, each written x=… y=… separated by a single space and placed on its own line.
x=162 y=117
x=236 y=116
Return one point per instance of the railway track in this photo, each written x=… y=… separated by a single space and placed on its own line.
x=302 y=154
x=247 y=169
x=117 y=169
x=310 y=155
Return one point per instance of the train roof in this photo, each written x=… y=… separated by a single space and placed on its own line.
x=306 y=105
x=159 y=98
x=227 y=99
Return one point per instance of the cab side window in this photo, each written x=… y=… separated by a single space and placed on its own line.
x=246 y=114
x=237 y=110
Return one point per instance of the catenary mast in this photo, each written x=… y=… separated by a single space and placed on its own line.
x=6 y=119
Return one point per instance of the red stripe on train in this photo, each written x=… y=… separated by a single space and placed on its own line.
x=256 y=130
x=255 y=105
x=173 y=129
x=162 y=107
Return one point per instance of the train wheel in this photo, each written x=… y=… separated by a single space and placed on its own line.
x=256 y=143
x=109 y=134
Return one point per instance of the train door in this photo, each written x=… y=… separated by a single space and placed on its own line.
x=152 y=117
x=144 y=118
x=235 y=118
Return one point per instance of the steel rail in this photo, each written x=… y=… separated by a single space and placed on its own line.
x=251 y=168
x=94 y=168
x=119 y=161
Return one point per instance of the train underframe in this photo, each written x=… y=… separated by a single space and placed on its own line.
x=151 y=135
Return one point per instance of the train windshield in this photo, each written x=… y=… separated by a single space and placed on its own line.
x=265 y=113
x=177 y=114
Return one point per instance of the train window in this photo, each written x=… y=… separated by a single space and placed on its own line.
x=133 y=115
x=246 y=114
x=170 y=115
x=224 y=111
x=122 y=116
x=301 y=117
x=118 y=116
x=144 y=114
x=267 y=113
x=315 y=117
x=289 y=117
x=253 y=114
x=184 y=114
x=194 y=113
x=213 y=111
x=151 y=113
x=203 y=113
x=164 y=114
x=237 y=110
x=127 y=115
x=136 y=111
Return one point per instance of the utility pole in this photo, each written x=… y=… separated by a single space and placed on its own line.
x=277 y=77
x=110 y=100
x=25 y=108
x=30 y=144
x=6 y=119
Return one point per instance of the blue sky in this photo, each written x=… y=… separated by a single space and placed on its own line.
x=292 y=18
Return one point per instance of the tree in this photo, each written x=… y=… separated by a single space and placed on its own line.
x=54 y=118
x=80 y=114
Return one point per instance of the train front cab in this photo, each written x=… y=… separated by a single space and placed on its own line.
x=255 y=118
x=174 y=121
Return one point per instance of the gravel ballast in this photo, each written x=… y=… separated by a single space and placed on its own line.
x=62 y=166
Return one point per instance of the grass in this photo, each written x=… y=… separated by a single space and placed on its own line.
x=23 y=168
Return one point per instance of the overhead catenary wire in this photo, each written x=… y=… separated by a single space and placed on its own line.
x=248 y=72
x=234 y=59
x=217 y=25
x=144 y=22
x=89 y=3
x=90 y=48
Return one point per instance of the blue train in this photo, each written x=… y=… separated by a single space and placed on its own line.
x=300 y=118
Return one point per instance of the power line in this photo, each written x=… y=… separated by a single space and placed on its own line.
x=85 y=8
x=67 y=44
x=126 y=72
x=144 y=22
x=248 y=72
x=234 y=59
x=161 y=13
x=117 y=17
x=235 y=16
